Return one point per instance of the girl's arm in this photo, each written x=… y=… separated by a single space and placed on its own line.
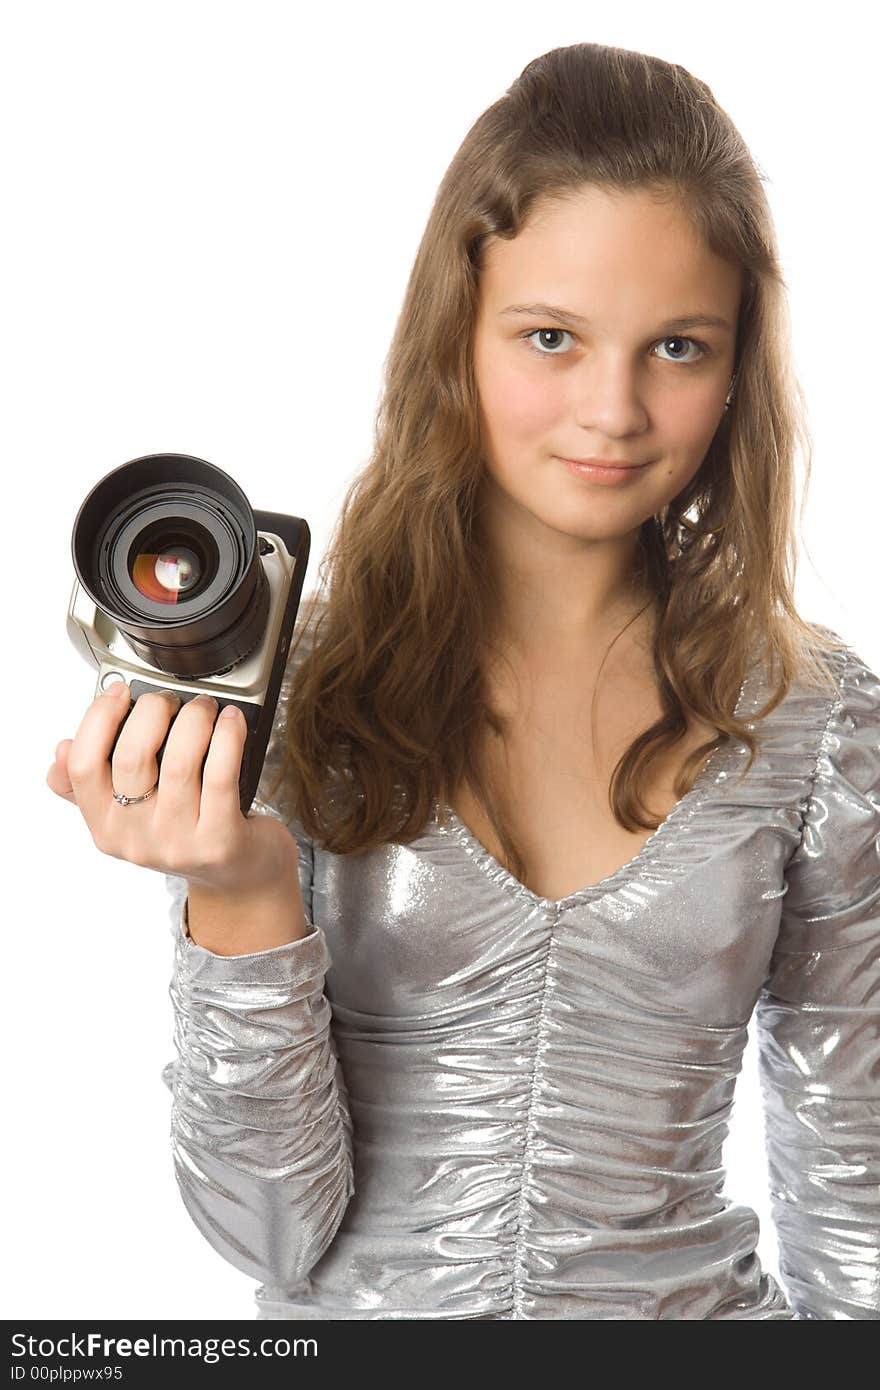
x=260 y=1127
x=818 y=1026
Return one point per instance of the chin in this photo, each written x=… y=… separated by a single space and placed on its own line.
x=599 y=526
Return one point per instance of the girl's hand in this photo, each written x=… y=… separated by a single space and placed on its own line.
x=192 y=825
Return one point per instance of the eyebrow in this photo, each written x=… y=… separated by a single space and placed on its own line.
x=552 y=311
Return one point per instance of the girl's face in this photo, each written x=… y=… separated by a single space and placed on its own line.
x=629 y=380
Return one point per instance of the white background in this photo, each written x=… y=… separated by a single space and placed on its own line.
x=210 y=214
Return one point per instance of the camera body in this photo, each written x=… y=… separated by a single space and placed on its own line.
x=229 y=633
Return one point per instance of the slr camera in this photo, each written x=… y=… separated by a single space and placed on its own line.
x=180 y=586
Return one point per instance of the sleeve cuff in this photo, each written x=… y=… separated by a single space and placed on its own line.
x=292 y=962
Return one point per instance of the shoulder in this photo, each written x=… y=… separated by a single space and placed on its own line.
x=854 y=681
x=837 y=859
x=846 y=763
x=814 y=722
x=849 y=752
x=857 y=694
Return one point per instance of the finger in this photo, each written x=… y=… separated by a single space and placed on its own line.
x=134 y=760
x=57 y=779
x=220 y=804
x=180 y=779
x=88 y=757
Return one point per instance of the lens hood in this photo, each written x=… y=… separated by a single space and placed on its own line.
x=128 y=539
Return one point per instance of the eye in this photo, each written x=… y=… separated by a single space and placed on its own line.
x=677 y=338
x=672 y=338
x=529 y=336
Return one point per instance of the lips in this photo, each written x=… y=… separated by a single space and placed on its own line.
x=602 y=474
x=602 y=463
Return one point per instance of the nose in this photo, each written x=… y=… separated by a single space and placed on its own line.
x=610 y=398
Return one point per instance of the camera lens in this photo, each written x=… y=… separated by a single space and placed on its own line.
x=167 y=564
x=166 y=547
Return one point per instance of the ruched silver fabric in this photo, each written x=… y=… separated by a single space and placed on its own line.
x=456 y=1099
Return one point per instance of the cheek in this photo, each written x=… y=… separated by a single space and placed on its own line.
x=517 y=404
x=684 y=432
x=690 y=423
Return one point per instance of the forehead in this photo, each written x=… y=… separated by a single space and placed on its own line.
x=597 y=251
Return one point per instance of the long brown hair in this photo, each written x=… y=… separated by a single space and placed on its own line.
x=388 y=709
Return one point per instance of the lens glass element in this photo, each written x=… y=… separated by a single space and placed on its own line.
x=166 y=578
x=168 y=565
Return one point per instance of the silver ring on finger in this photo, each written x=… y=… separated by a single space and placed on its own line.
x=132 y=800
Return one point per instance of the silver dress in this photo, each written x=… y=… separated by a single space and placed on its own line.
x=456 y=1099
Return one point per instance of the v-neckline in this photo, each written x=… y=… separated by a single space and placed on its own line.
x=714 y=771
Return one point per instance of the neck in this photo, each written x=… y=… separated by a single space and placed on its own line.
x=555 y=589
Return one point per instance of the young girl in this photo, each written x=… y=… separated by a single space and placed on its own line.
x=575 y=791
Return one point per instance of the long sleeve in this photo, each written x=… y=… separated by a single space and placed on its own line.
x=260 y=1127
x=818 y=1026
